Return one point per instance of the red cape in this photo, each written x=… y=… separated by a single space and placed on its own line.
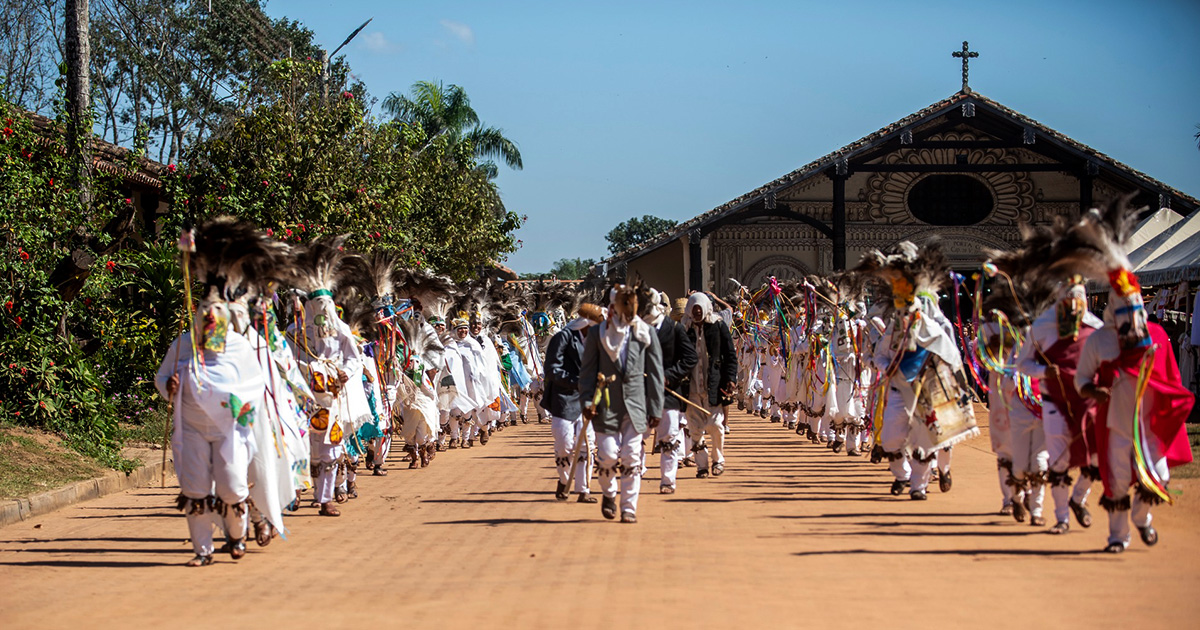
x=1079 y=412
x=1165 y=405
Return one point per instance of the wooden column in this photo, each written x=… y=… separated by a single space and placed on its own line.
x=839 y=216
x=1090 y=170
x=695 y=262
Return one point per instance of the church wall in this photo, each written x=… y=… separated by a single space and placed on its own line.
x=663 y=268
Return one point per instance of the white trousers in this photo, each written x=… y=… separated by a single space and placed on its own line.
x=1058 y=454
x=565 y=432
x=1030 y=457
x=620 y=464
x=893 y=436
x=711 y=425
x=1120 y=458
x=670 y=442
x=203 y=471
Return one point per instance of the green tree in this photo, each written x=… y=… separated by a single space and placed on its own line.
x=303 y=168
x=571 y=268
x=636 y=231
x=442 y=110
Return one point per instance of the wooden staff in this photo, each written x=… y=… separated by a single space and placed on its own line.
x=601 y=385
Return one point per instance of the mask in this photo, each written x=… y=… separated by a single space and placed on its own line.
x=212 y=320
x=903 y=293
x=1070 y=312
x=324 y=316
x=1127 y=311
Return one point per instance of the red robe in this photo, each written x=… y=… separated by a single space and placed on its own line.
x=1079 y=412
x=1166 y=417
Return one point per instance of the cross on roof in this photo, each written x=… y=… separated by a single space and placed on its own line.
x=966 y=54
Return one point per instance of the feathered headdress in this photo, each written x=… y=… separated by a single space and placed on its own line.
x=909 y=270
x=319 y=265
x=234 y=259
x=435 y=293
x=423 y=350
x=1095 y=245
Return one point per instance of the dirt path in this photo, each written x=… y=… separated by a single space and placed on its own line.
x=791 y=534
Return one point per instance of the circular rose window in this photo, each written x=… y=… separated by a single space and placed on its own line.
x=950 y=200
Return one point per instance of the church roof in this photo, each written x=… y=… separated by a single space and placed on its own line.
x=890 y=132
x=106 y=156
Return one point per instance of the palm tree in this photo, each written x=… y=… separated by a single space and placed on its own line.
x=446 y=110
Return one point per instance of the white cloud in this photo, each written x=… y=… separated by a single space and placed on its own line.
x=377 y=42
x=460 y=30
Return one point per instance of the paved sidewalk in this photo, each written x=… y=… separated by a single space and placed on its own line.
x=791 y=535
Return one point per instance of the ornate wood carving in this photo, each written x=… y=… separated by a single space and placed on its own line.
x=887 y=194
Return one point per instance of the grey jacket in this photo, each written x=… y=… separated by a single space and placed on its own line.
x=638 y=391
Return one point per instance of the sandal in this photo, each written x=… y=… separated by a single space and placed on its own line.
x=717 y=469
x=339 y=496
x=608 y=508
x=1114 y=548
x=586 y=497
x=666 y=490
x=200 y=561
x=329 y=509
x=237 y=548
x=1061 y=527
x=1081 y=514
x=1149 y=535
x=263 y=533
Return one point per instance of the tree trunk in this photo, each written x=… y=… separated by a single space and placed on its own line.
x=79 y=128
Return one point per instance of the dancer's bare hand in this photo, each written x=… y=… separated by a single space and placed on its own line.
x=653 y=422
x=1096 y=393
x=172 y=385
x=343 y=377
x=589 y=412
x=1052 y=372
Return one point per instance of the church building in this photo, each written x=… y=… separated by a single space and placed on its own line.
x=966 y=169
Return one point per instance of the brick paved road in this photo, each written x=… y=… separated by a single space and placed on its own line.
x=791 y=534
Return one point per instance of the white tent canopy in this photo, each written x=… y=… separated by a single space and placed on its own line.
x=1171 y=256
x=1152 y=226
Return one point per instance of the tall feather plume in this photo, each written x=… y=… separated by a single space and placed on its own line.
x=317 y=265
x=1095 y=244
x=235 y=257
x=422 y=341
x=436 y=293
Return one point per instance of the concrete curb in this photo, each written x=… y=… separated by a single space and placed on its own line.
x=22 y=509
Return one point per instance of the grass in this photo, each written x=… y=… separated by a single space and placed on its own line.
x=148 y=432
x=33 y=462
x=1192 y=470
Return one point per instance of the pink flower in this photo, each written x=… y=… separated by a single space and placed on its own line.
x=348 y=95
x=111 y=266
x=128 y=201
x=266 y=183
x=24 y=255
x=270 y=232
x=289 y=232
x=8 y=305
x=171 y=168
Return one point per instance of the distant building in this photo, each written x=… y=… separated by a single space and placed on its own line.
x=966 y=169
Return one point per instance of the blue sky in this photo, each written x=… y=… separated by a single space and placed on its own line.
x=672 y=108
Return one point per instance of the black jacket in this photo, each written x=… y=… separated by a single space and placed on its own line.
x=560 y=395
x=722 y=361
x=679 y=358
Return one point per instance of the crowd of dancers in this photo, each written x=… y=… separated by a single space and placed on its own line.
x=304 y=363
